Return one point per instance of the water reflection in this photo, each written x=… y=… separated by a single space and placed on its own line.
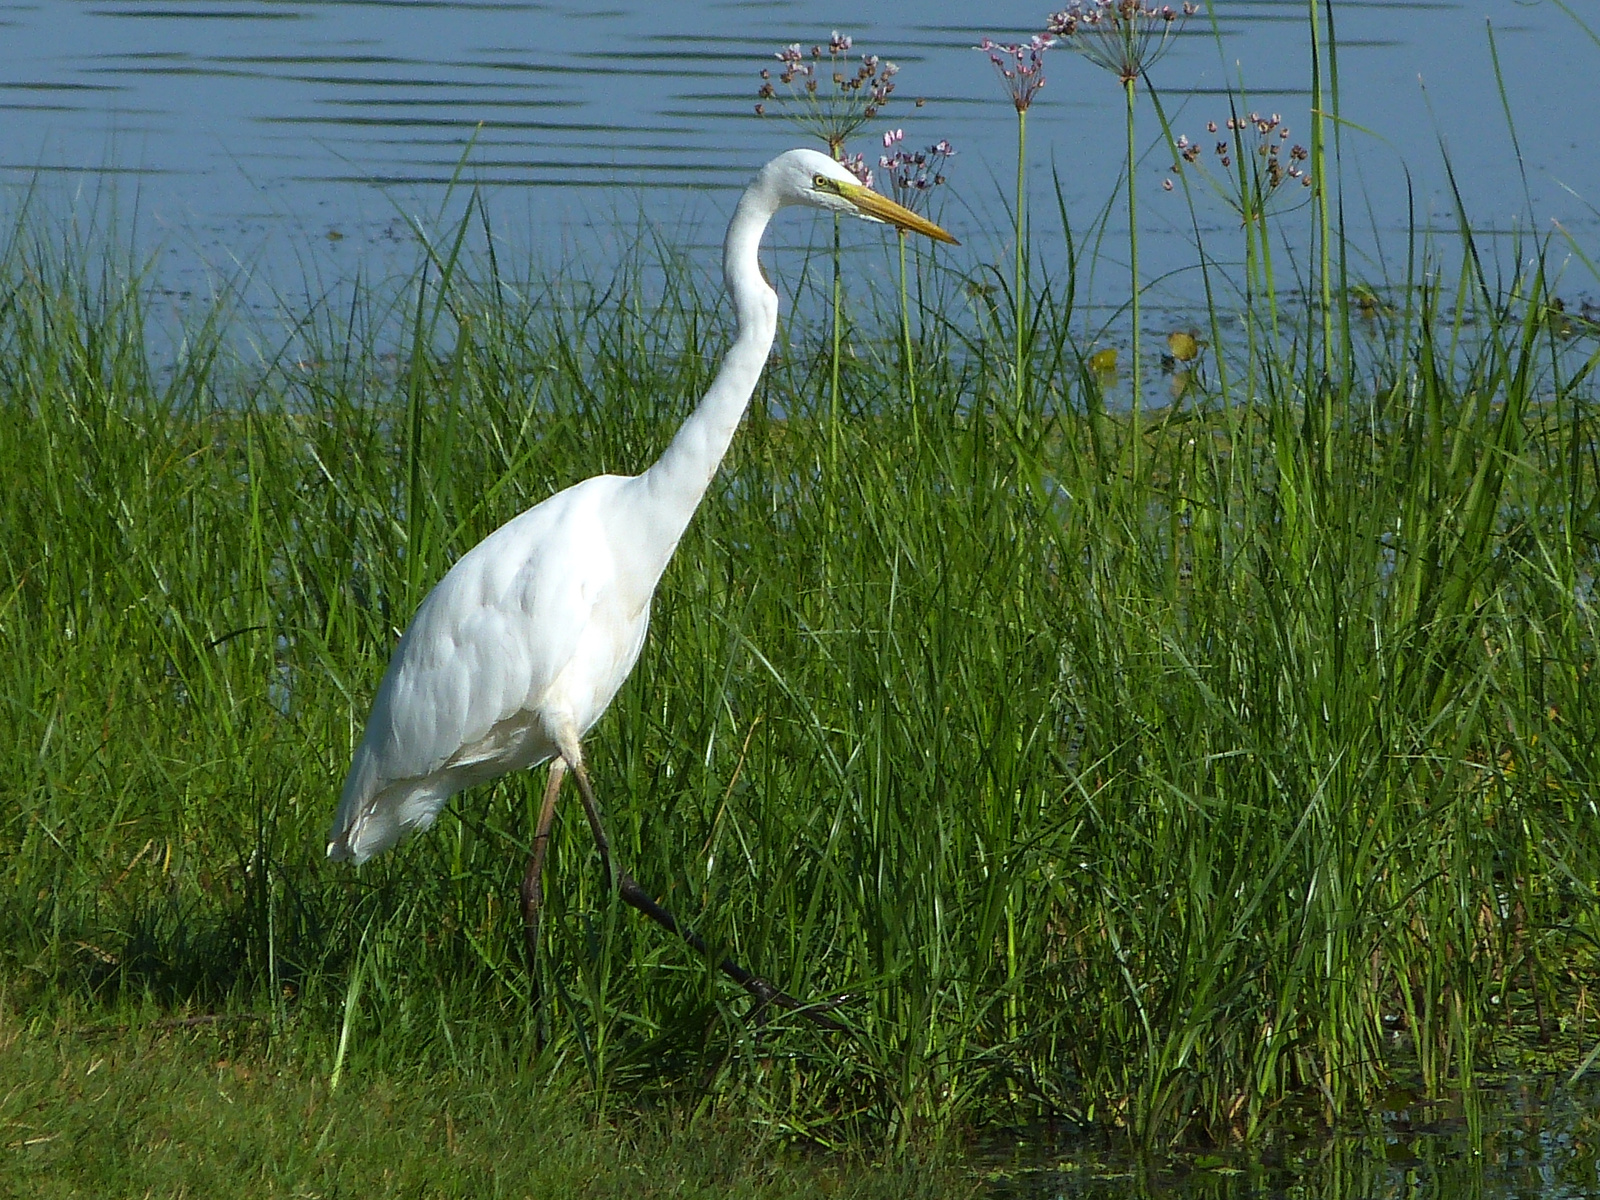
x=1534 y=1140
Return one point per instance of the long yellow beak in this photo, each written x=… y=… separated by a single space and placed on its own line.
x=880 y=208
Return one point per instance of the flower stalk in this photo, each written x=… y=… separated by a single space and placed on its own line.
x=829 y=100
x=1136 y=366
x=1020 y=66
x=912 y=175
x=1125 y=37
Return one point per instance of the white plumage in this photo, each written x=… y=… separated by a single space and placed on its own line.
x=526 y=639
x=516 y=653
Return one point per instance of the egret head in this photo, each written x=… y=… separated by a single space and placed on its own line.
x=811 y=178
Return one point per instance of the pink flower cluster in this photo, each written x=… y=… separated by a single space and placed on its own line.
x=1021 y=66
x=913 y=173
x=834 y=106
x=1258 y=143
x=1123 y=36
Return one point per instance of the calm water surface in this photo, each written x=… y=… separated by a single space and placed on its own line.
x=293 y=137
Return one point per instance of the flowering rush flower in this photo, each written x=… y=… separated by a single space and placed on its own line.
x=1020 y=65
x=856 y=164
x=1124 y=36
x=913 y=174
x=1264 y=153
x=824 y=94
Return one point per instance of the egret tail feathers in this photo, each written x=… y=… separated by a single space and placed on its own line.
x=363 y=830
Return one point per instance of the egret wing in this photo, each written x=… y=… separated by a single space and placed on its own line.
x=459 y=700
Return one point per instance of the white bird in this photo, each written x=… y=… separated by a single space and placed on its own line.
x=518 y=650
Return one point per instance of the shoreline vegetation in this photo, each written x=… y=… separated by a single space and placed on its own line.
x=1190 y=775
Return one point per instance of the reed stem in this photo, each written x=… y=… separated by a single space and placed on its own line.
x=1135 y=366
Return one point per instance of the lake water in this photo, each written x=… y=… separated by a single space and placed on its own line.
x=1532 y=1140
x=292 y=139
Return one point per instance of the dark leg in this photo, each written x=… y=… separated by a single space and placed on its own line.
x=640 y=899
x=532 y=893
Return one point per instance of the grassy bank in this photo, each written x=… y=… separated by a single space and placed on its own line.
x=102 y=1111
x=1177 y=772
x=1154 y=799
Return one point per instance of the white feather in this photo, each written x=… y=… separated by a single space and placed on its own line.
x=516 y=652
x=489 y=675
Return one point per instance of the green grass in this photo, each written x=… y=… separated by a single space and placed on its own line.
x=101 y=1112
x=1179 y=800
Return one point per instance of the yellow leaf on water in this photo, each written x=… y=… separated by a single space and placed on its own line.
x=1182 y=345
x=1104 y=362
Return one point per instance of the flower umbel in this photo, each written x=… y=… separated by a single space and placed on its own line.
x=1258 y=151
x=1123 y=36
x=913 y=174
x=856 y=164
x=824 y=94
x=1021 y=66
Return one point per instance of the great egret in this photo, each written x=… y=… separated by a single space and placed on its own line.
x=518 y=650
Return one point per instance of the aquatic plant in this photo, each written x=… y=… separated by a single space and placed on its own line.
x=1126 y=38
x=823 y=96
x=1255 y=169
x=1020 y=66
x=831 y=109
x=913 y=175
x=1258 y=158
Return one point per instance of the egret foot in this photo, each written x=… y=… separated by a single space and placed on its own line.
x=630 y=891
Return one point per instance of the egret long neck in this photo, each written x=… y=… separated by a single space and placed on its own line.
x=674 y=485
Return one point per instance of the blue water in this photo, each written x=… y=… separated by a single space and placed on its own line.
x=293 y=140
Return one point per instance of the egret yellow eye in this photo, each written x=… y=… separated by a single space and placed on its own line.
x=824 y=184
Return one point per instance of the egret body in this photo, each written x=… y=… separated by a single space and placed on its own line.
x=518 y=650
